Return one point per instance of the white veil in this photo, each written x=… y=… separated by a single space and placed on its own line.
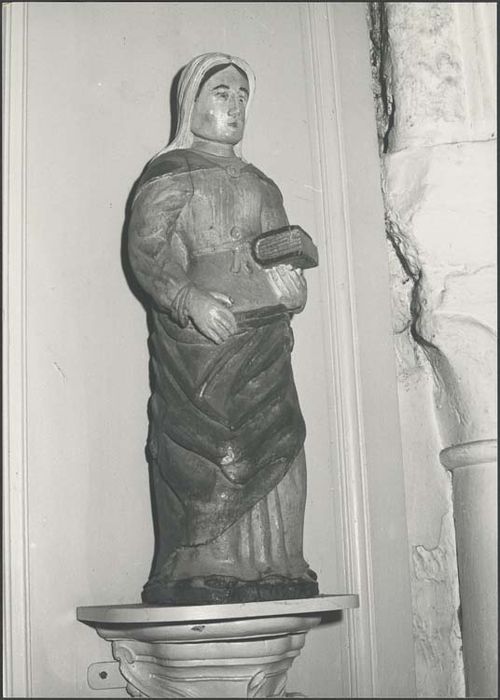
x=189 y=83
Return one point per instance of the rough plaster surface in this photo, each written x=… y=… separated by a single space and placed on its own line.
x=439 y=64
x=438 y=656
x=441 y=212
x=435 y=627
x=433 y=68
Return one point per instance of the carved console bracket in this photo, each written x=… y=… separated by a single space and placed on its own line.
x=236 y=650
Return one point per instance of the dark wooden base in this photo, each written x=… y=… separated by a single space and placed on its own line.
x=225 y=589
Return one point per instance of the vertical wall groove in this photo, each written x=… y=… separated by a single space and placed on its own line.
x=367 y=432
x=17 y=634
x=332 y=203
x=364 y=652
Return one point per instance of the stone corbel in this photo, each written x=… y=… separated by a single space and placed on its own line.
x=235 y=650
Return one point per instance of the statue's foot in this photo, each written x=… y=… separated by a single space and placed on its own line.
x=218 y=590
x=283 y=588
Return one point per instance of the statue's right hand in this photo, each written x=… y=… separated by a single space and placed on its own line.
x=211 y=315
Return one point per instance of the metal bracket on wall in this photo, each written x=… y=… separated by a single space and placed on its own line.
x=105 y=675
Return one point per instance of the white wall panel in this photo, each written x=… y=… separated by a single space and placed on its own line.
x=99 y=77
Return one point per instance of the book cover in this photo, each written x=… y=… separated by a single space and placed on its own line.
x=288 y=245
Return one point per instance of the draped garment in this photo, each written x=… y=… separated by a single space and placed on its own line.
x=225 y=422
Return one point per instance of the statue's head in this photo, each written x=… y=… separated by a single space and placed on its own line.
x=220 y=105
x=213 y=96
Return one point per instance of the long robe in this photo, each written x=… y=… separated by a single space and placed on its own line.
x=226 y=431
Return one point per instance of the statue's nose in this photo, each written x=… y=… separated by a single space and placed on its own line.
x=234 y=107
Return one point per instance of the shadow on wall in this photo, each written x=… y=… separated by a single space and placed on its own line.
x=331 y=617
x=137 y=290
x=134 y=287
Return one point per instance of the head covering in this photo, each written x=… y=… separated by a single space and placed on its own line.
x=189 y=82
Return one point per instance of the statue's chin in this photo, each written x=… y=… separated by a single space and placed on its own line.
x=223 y=138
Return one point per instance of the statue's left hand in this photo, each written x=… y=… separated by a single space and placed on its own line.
x=290 y=285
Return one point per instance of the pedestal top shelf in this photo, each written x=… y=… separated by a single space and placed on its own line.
x=143 y=614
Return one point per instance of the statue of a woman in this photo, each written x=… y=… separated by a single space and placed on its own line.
x=226 y=432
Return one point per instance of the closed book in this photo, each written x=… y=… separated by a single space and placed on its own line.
x=254 y=318
x=289 y=245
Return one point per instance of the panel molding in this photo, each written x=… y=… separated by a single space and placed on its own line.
x=330 y=202
x=16 y=572
x=379 y=655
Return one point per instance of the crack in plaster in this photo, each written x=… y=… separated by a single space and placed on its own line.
x=438 y=648
x=436 y=601
x=381 y=72
x=60 y=371
x=407 y=255
x=447 y=398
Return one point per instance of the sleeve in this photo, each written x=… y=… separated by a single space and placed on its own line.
x=273 y=213
x=273 y=216
x=156 y=248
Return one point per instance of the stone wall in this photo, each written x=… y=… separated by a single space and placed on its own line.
x=434 y=84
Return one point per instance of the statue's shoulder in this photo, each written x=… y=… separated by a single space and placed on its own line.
x=262 y=176
x=170 y=163
x=180 y=161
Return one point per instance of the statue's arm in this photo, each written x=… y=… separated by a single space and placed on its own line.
x=160 y=259
x=289 y=284
x=157 y=254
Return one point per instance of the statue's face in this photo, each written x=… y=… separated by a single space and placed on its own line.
x=219 y=111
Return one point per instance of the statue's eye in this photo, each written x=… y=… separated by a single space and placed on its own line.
x=222 y=94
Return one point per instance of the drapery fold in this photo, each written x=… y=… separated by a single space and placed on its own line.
x=234 y=407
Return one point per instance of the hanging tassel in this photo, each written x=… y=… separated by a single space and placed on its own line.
x=236 y=262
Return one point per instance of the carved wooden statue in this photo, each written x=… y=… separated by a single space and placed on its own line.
x=226 y=431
